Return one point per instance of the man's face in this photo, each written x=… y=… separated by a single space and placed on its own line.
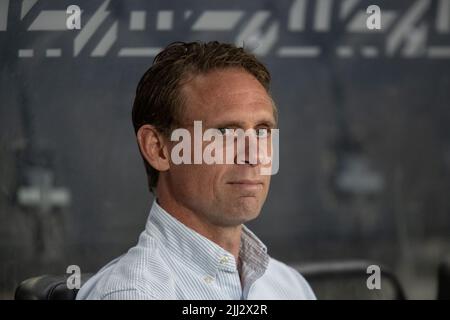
x=223 y=194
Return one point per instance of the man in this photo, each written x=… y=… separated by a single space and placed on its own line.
x=195 y=245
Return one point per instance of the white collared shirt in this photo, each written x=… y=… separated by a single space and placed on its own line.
x=172 y=261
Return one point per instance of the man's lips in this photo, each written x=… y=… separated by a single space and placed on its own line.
x=246 y=181
x=247 y=184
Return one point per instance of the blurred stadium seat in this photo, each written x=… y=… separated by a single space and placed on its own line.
x=444 y=280
x=347 y=280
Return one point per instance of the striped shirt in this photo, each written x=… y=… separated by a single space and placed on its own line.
x=172 y=261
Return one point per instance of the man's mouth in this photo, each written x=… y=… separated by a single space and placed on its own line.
x=247 y=184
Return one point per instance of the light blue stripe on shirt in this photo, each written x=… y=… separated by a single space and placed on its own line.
x=172 y=261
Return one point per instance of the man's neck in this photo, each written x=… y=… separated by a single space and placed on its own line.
x=228 y=238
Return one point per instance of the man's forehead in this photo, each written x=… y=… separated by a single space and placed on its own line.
x=246 y=112
x=245 y=98
x=222 y=82
x=225 y=98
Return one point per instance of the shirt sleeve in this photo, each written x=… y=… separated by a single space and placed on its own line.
x=309 y=293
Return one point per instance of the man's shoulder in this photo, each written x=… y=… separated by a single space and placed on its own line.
x=285 y=277
x=141 y=273
x=283 y=271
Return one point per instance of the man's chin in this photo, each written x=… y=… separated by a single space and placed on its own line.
x=250 y=205
x=238 y=217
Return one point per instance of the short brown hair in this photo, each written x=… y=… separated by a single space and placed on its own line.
x=158 y=101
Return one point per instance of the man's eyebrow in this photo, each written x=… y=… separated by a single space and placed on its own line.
x=239 y=124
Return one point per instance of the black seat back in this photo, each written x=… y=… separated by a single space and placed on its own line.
x=47 y=287
x=444 y=279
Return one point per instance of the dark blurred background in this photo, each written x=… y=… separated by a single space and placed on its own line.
x=364 y=120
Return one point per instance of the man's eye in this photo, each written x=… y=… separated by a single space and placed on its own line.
x=225 y=131
x=262 y=133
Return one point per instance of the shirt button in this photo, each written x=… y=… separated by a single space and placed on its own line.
x=208 y=279
x=224 y=260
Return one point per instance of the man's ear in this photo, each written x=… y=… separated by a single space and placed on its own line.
x=153 y=147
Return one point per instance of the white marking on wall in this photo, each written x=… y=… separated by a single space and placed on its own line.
x=4 y=5
x=416 y=44
x=92 y=25
x=344 y=51
x=443 y=16
x=358 y=23
x=107 y=41
x=49 y=20
x=53 y=53
x=253 y=28
x=25 y=53
x=139 y=52
x=137 y=20
x=26 y=7
x=297 y=16
x=439 y=52
x=217 y=20
x=387 y=20
x=369 y=52
x=322 y=17
x=346 y=7
x=405 y=27
x=35 y=197
x=299 y=52
x=268 y=40
x=164 y=21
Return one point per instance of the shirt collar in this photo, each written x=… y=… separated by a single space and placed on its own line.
x=202 y=253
